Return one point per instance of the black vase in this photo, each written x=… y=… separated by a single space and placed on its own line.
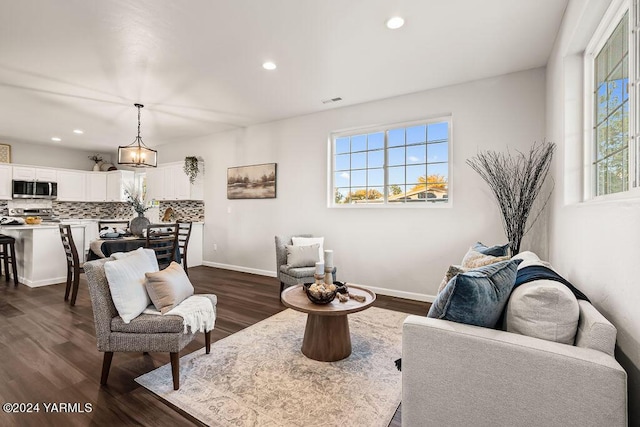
x=138 y=224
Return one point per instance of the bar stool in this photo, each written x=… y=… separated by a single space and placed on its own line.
x=8 y=255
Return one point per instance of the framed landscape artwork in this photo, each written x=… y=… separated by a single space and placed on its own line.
x=252 y=182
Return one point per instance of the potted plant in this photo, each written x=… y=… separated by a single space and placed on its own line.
x=191 y=168
x=139 y=205
x=97 y=158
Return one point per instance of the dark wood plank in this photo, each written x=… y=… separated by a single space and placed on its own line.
x=48 y=350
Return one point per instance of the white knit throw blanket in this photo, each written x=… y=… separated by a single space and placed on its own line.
x=198 y=313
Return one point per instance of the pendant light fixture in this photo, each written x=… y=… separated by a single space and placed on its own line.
x=137 y=154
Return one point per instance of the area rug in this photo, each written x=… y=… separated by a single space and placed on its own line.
x=259 y=376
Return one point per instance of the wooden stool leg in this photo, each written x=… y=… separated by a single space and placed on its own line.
x=175 y=369
x=14 y=265
x=207 y=342
x=76 y=282
x=5 y=255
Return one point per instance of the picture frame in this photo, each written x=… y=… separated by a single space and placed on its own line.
x=252 y=182
x=5 y=153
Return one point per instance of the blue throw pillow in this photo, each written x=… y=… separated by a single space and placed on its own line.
x=478 y=296
x=491 y=250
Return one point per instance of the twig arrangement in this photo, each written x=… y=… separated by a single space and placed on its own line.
x=516 y=181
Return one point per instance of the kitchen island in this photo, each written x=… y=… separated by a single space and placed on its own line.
x=40 y=257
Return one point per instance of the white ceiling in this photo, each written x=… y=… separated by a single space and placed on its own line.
x=196 y=64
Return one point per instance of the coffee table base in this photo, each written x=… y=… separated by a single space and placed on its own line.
x=326 y=338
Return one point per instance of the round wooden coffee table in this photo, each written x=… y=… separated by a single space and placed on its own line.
x=326 y=336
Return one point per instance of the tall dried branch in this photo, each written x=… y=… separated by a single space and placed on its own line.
x=516 y=181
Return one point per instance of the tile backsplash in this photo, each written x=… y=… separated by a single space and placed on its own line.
x=185 y=210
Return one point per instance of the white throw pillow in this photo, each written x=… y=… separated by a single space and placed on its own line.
x=169 y=287
x=302 y=256
x=543 y=309
x=475 y=259
x=149 y=252
x=126 y=277
x=306 y=241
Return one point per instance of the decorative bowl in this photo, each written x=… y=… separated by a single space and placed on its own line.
x=318 y=296
x=32 y=220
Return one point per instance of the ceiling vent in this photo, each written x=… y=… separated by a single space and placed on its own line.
x=329 y=101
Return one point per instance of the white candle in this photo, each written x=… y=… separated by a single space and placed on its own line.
x=320 y=267
x=328 y=258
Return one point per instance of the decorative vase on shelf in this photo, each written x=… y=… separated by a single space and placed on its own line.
x=138 y=224
x=96 y=167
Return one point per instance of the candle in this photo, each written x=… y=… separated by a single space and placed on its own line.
x=328 y=258
x=320 y=268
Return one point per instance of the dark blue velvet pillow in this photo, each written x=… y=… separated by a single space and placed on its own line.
x=491 y=250
x=478 y=296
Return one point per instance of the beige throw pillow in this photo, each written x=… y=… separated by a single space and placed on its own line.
x=169 y=287
x=453 y=271
x=302 y=256
x=475 y=259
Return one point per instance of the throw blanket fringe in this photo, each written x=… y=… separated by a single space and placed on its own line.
x=197 y=311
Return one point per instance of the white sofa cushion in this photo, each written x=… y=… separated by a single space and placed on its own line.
x=543 y=309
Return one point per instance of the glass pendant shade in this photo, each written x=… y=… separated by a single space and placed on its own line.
x=137 y=154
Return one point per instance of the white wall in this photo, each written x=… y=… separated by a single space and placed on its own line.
x=53 y=156
x=595 y=245
x=406 y=251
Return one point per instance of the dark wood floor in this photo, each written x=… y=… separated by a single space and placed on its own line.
x=48 y=351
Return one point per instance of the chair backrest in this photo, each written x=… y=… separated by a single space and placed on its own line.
x=103 y=308
x=184 y=232
x=281 y=250
x=163 y=239
x=113 y=224
x=69 y=246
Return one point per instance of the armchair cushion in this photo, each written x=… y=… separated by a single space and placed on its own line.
x=299 y=272
x=127 y=279
x=476 y=297
x=148 y=324
x=306 y=241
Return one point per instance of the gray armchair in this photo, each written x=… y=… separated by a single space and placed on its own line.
x=292 y=276
x=145 y=333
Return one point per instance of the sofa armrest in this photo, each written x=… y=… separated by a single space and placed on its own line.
x=594 y=330
x=456 y=374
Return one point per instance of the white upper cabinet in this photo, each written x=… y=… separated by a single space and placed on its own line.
x=117 y=182
x=96 y=187
x=169 y=182
x=25 y=173
x=6 y=174
x=71 y=186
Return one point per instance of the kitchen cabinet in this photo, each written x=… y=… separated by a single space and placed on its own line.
x=25 y=173
x=96 y=187
x=169 y=182
x=117 y=182
x=6 y=174
x=71 y=186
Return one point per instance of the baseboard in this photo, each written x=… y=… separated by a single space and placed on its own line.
x=403 y=294
x=240 y=268
x=382 y=291
x=44 y=282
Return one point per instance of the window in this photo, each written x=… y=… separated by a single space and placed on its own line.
x=393 y=165
x=610 y=61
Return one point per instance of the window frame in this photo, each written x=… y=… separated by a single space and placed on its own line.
x=384 y=128
x=612 y=17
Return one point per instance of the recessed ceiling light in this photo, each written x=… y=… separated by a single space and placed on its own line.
x=395 y=23
x=78 y=131
x=56 y=139
x=269 y=65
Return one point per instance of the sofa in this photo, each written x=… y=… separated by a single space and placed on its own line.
x=456 y=374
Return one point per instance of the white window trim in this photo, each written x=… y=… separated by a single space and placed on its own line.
x=605 y=29
x=383 y=128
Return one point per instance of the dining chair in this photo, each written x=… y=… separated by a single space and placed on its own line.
x=163 y=239
x=184 y=233
x=123 y=224
x=74 y=266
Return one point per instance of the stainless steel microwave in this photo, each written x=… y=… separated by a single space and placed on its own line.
x=35 y=190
